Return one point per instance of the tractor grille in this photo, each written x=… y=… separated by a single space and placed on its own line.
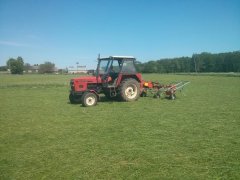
x=72 y=85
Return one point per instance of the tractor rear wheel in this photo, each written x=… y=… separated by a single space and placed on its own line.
x=129 y=90
x=89 y=99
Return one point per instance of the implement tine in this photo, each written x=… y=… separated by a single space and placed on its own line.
x=181 y=84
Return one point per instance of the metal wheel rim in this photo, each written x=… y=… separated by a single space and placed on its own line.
x=131 y=91
x=90 y=101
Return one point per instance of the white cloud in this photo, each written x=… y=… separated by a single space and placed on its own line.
x=12 y=43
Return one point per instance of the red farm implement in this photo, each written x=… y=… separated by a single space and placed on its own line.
x=160 y=90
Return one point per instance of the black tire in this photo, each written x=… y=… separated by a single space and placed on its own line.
x=89 y=99
x=74 y=99
x=172 y=97
x=129 y=90
x=143 y=94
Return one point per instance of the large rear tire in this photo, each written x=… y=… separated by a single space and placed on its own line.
x=89 y=99
x=129 y=90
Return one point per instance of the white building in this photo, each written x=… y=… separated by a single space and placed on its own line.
x=77 y=69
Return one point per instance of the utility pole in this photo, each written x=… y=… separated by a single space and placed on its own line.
x=77 y=66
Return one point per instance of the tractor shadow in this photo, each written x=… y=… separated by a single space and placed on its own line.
x=73 y=104
x=109 y=100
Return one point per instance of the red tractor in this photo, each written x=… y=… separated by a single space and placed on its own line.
x=116 y=76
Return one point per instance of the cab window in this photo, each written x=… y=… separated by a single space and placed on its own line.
x=115 y=66
x=128 y=67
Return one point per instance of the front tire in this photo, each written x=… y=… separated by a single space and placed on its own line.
x=129 y=90
x=89 y=99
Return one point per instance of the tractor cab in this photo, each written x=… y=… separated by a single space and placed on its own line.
x=113 y=68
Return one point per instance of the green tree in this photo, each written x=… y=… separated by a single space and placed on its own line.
x=204 y=62
x=16 y=65
x=3 y=68
x=47 y=67
x=139 y=66
x=150 y=67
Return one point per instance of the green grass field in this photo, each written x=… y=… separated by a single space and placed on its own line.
x=42 y=136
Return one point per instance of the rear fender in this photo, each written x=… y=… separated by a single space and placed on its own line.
x=93 y=91
x=137 y=77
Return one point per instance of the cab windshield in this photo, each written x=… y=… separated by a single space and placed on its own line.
x=103 y=66
x=109 y=66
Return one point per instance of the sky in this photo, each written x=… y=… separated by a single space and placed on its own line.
x=67 y=32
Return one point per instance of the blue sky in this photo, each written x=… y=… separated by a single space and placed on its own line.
x=70 y=31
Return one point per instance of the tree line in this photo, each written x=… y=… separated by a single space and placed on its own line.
x=204 y=62
x=17 y=66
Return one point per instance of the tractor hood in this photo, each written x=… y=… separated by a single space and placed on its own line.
x=87 y=79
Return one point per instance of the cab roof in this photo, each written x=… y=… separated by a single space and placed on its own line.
x=119 y=57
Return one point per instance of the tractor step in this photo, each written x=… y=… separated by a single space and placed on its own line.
x=113 y=92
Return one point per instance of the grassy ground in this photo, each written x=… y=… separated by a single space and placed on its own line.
x=42 y=136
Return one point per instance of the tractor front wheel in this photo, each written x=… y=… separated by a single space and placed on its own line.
x=129 y=90
x=89 y=99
